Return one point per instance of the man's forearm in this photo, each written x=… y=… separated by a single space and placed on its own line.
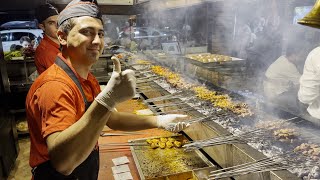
x=69 y=148
x=131 y=122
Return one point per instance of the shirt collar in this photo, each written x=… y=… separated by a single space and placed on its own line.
x=46 y=38
x=90 y=76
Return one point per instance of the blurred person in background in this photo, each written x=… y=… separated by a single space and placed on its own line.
x=27 y=47
x=66 y=109
x=309 y=92
x=129 y=44
x=48 y=48
x=186 y=31
x=258 y=25
x=25 y=42
x=15 y=47
x=264 y=50
x=243 y=40
x=281 y=81
x=128 y=29
x=144 y=44
x=112 y=31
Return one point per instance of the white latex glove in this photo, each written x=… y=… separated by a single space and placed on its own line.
x=170 y=122
x=121 y=86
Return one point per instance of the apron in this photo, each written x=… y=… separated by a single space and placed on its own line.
x=88 y=169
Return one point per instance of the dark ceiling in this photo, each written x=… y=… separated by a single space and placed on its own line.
x=20 y=5
x=18 y=10
x=14 y=10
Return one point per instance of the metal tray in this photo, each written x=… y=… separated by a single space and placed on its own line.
x=163 y=163
x=234 y=62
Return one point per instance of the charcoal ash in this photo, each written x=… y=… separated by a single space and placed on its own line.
x=314 y=173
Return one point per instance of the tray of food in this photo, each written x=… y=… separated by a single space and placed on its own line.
x=213 y=60
x=164 y=157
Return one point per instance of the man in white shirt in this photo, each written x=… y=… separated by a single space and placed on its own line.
x=282 y=79
x=309 y=92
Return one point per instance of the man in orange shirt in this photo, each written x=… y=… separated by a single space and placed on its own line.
x=66 y=110
x=48 y=48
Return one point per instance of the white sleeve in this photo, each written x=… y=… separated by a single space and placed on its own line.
x=310 y=80
x=294 y=75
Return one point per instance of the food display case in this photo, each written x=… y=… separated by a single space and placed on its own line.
x=216 y=112
x=206 y=59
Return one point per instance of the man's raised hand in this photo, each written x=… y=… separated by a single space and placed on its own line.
x=121 y=86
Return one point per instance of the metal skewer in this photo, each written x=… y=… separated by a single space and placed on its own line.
x=176 y=95
x=147 y=80
x=146 y=77
x=138 y=64
x=124 y=144
x=142 y=72
x=177 y=110
x=150 y=90
x=147 y=86
x=278 y=162
x=167 y=105
x=229 y=139
x=124 y=133
x=243 y=137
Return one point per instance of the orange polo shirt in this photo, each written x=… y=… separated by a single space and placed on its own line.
x=46 y=54
x=54 y=103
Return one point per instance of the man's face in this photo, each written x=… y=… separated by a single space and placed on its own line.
x=49 y=26
x=85 y=40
